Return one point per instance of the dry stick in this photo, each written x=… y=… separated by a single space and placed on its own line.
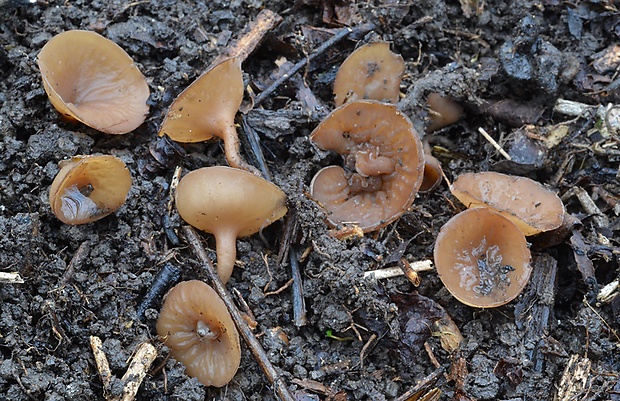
x=388 y=272
x=76 y=261
x=299 y=304
x=423 y=384
x=139 y=365
x=343 y=33
x=494 y=143
x=272 y=375
x=11 y=278
x=102 y=364
x=254 y=140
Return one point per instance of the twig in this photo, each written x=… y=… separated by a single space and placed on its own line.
x=11 y=278
x=422 y=385
x=257 y=350
x=299 y=304
x=138 y=366
x=343 y=33
x=254 y=141
x=494 y=143
x=77 y=260
x=102 y=364
x=388 y=272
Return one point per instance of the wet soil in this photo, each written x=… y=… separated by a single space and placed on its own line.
x=362 y=338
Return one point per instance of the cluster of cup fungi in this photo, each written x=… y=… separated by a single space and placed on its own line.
x=481 y=255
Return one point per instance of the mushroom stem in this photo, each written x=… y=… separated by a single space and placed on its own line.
x=231 y=148
x=226 y=249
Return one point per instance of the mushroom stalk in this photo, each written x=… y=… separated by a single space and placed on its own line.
x=231 y=149
x=226 y=250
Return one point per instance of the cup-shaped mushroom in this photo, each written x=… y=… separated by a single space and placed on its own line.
x=91 y=79
x=383 y=164
x=531 y=206
x=195 y=324
x=482 y=258
x=88 y=188
x=229 y=203
x=207 y=109
x=443 y=111
x=370 y=72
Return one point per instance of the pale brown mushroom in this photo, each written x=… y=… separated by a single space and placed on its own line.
x=482 y=258
x=197 y=327
x=433 y=173
x=88 y=188
x=228 y=203
x=443 y=111
x=370 y=72
x=90 y=79
x=528 y=204
x=207 y=109
x=383 y=164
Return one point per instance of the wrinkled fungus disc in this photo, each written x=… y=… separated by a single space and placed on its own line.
x=482 y=258
x=383 y=164
x=91 y=79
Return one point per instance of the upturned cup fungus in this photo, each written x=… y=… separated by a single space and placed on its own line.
x=207 y=109
x=383 y=164
x=482 y=258
x=228 y=203
x=370 y=72
x=88 y=188
x=528 y=204
x=195 y=324
x=90 y=79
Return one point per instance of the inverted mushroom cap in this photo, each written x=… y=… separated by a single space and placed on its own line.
x=228 y=203
x=207 y=107
x=528 y=204
x=482 y=258
x=383 y=164
x=88 y=188
x=370 y=72
x=91 y=79
x=196 y=325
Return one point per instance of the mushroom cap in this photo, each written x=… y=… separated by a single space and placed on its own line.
x=528 y=204
x=88 y=188
x=196 y=325
x=91 y=79
x=446 y=111
x=370 y=72
x=384 y=164
x=482 y=258
x=207 y=107
x=215 y=199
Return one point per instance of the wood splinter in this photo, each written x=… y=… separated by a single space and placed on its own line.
x=138 y=366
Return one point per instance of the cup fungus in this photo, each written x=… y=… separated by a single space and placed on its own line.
x=370 y=72
x=228 y=203
x=195 y=324
x=90 y=79
x=88 y=188
x=383 y=164
x=207 y=109
x=528 y=204
x=442 y=111
x=433 y=173
x=482 y=258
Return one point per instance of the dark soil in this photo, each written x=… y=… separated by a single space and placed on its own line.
x=529 y=52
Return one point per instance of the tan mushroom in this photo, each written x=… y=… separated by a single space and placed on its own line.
x=90 y=79
x=195 y=324
x=370 y=72
x=383 y=164
x=482 y=258
x=228 y=203
x=528 y=204
x=88 y=188
x=207 y=109
x=443 y=111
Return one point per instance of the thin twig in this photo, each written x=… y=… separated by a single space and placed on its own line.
x=11 y=278
x=257 y=350
x=254 y=140
x=102 y=364
x=388 y=272
x=423 y=384
x=299 y=304
x=78 y=258
x=138 y=366
x=494 y=143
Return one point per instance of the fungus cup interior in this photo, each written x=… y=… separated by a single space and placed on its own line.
x=196 y=325
x=383 y=164
x=370 y=72
x=528 y=204
x=90 y=79
x=228 y=203
x=443 y=111
x=207 y=109
x=88 y=188
x=482 y=258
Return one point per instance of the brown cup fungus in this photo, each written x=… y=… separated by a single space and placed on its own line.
x=383 y=164
x=207 y=109
x=528 y=204
x=195 y=324
x=228 y=203
x=482 y=258
x=370 y=72
x=88 y=188
x=90 y=79
x=442 y=111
